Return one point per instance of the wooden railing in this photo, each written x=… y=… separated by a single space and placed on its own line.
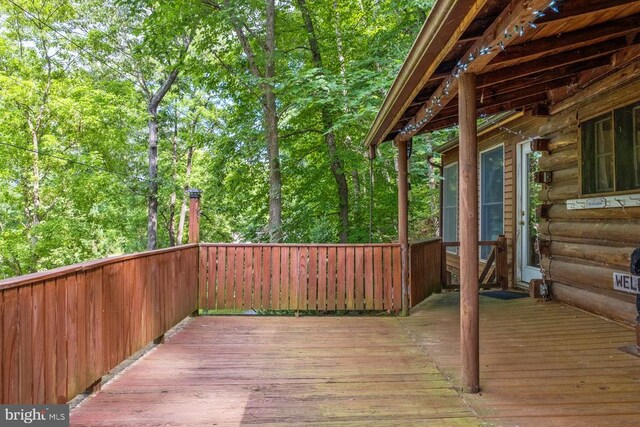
x=323 y=278
x=63 y=329
x=495 y=270
x=425 y=271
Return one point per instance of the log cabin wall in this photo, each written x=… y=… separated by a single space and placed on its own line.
x=586 y=246
x=509 y=134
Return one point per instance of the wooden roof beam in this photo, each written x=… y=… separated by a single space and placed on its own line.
x=510 y=95
x=517 y=13
x=570 y=9
x=541 y=76
x=570 y=40
x=606 y=48
x=488 y=110
x=575 y=8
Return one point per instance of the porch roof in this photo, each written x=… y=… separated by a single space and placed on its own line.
x=552 y=50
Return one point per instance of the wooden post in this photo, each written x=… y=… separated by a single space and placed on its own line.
x=403 y=221
x=469 y=297
x=194 y=215
x=501 y=262
x=443 y=265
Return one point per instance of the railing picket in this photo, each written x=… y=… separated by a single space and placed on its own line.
x=37 y=341
x=341 y=278
x=331 y=278
x=303 y=278
x=257 y=276
x=228 y=285
x=248 y=285
x=350 y=278
x=204 y=278
x=387 y=259
x=368 y=278
x=285 y=258
x=378 y=267
x=322 y=279
x=72 y=335
x=10 y=362
x=221 y=269
x=397 y=280
x=359 y=269
x=294 y=283
x=266 y=277
x=275 y=278
x=313 y=279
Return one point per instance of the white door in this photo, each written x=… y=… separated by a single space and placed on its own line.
x=528 y=261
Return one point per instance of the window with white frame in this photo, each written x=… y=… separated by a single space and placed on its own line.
x=450 y=205
x=491 y=196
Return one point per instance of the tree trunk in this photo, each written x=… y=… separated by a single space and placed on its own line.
x=271 y=121
x=34 y=217
x=185 y=207
x=327 y=122
x=152 y=108
x=152 y=217
x=173 y=197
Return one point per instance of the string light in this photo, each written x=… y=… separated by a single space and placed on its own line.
x=462 y=65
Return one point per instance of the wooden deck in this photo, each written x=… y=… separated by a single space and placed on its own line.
x=542 y=364
x=281 y=370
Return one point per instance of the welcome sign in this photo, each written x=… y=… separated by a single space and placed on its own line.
x=626 y=283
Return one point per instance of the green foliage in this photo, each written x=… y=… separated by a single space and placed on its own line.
x=77 y=72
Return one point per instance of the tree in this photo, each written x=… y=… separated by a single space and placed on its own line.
x=327 y=122
x=265 y=77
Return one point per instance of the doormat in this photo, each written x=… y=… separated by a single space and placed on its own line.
x=504 y=294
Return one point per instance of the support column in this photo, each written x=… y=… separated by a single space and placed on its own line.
x=403 y=220
x=194 y=215
x=468 y=217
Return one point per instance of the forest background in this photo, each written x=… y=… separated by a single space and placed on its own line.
x=111 y=109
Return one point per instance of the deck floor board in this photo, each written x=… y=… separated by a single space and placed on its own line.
x=542 y=364
x=281 y=370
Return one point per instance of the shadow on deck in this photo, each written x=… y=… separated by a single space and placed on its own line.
x=541 y=364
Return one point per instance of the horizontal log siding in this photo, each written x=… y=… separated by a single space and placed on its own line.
x=587 y=246
x=61 y=331
x=322 y=278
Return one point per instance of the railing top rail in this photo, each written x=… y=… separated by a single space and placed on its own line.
x=28 y=279
x=480 y=243
x=301 y=245
x=426 y=241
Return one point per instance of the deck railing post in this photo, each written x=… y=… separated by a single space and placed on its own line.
x=469 y=298
x=403 y=220
x=194 y=215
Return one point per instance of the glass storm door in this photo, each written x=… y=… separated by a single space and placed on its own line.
x=528 y=260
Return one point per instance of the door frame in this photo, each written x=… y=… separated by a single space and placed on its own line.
x=524 y=273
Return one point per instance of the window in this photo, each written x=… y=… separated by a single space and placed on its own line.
x=450 y=205
x=491 y=196
x=611 y=151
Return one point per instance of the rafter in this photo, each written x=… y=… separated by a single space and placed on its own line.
x=517 y=13
x=569 y=41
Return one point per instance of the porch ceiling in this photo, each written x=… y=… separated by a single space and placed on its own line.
x=584 y=41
